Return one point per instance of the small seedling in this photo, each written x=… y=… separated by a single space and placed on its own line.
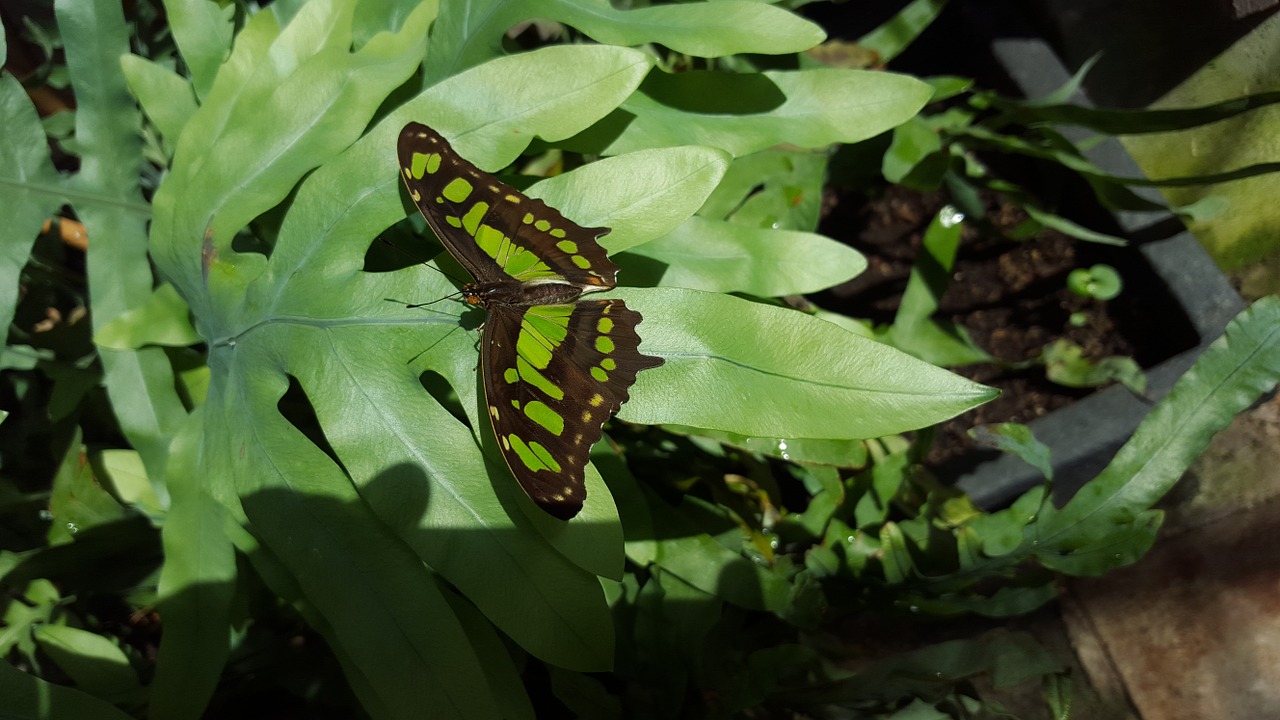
x=1101 y=282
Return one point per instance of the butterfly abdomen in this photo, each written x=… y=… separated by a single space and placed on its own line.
x=504 y=293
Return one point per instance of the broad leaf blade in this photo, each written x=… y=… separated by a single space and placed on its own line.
x=764 y=371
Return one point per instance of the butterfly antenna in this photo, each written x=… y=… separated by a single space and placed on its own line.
x=422 y=262
x=432 y=345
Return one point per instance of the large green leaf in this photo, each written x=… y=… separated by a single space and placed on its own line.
x=320 y=96
x=746 y=113
x=765 y=371
x=392 y=467
x=470 y=32
x=703 y=254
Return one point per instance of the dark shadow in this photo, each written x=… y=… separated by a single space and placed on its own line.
x=296 y=408
x=443 y=393
x=715 y=93
x=639 y=270
x=606 y=131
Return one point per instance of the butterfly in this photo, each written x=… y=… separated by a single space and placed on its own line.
x=555 y=366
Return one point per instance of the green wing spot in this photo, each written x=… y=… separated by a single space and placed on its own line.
x=534 y=456
x=609 y=364
x=542 y=225
x=457 y=190
x=424 y=163
x=568 y=246
x=511 y=375
x=455 y=222
x=471 y=221
x=604 y=345
x=599 y=374
x=544 y=416
x=550 y=320
x=528 y=218
x=582 y=262
x=530 y=348
x=531 y=375
x=522 y=262
x=605 y=325
x=558 y=233
x=490 y=240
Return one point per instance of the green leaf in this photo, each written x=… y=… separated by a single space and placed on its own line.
x=1132 y=122
x=839 y=453
x=1009 y=657
x=1018 y=440
x=108 y=200
x=470 y=32
x=314 y=395
x=915 y=144
x=196 y=587
x=776 y=188
x=902 y=29
x=31 y=698
x=703 y=254
x=94 y=663
x=746 y=113
x=321 y=96
x=202 y=31
x=38 y=604
x=163 y=320
x=1067 y=227
x=640 y=196
x=1110 y=522
x=1101 y=282
x=165 y=96
x=124 y=470
x=32 y=190
x=914 y=329
x=1066 y=364
x=585 y=696
x=810 y=380
x=77 y=502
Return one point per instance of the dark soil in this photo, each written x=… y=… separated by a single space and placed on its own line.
x=1012 y=298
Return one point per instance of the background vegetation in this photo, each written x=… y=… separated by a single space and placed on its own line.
x=223 y=420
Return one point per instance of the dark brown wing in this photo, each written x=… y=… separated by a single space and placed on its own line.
x=495 y=231
x=553 y=374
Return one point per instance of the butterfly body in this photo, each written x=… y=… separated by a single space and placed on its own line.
x=555 y=366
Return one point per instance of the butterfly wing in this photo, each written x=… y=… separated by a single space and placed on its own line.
x=495 y=231
x=553 y=374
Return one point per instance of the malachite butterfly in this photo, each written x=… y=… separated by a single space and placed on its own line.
x=555 y=367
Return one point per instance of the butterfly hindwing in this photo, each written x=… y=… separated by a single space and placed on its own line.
x=552 y=376
x=495 y=231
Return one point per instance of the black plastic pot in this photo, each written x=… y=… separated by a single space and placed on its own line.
x=1085 y=436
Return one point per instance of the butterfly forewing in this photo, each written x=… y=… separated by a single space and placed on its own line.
x=554 y=369
x=495 y=231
